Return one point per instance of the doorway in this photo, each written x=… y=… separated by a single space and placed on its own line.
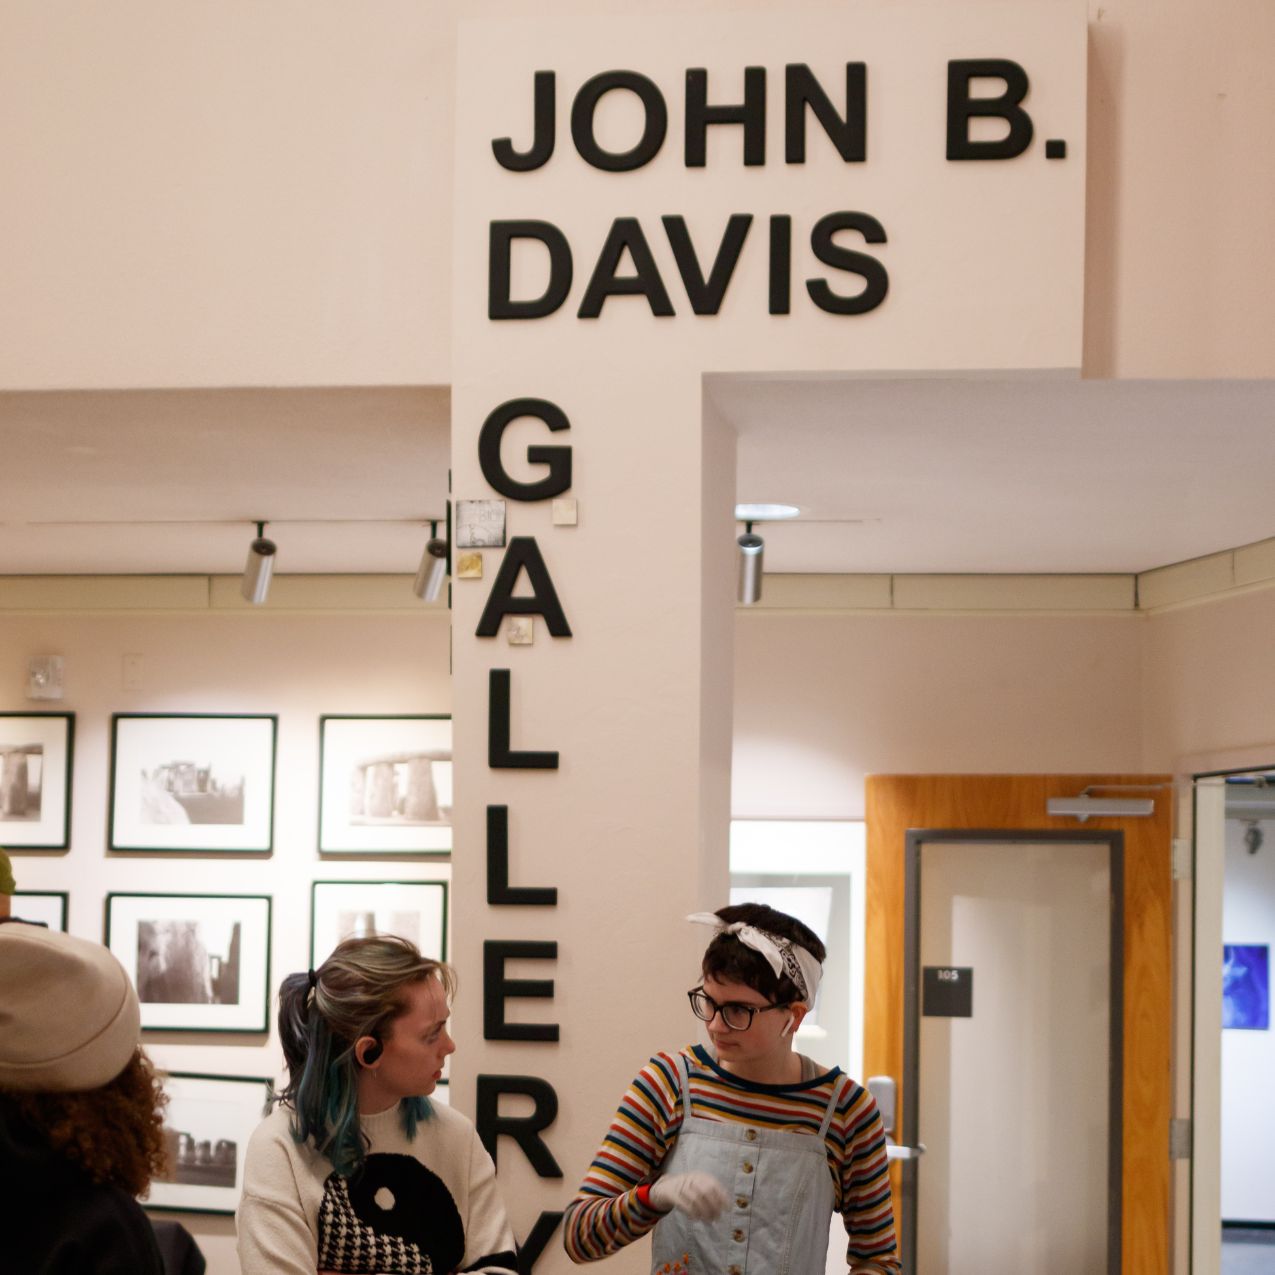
x=1012 y=1051
x=1233 y=1165
x=1129 y=864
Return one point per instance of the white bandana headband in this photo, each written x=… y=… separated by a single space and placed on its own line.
x=782 y=955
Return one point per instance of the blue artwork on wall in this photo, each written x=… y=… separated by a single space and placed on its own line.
x=1246 y=986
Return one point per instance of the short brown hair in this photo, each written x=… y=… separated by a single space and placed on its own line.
x=730 y=961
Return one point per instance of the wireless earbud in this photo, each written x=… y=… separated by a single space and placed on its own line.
x=372 y=1052
x=788 y=1026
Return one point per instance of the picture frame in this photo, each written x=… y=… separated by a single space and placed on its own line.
x=415 y=910
x=36 y=753
x=207 y=1124
x=192 y=782
x=1246 y=987
x=200 y=962
x=385 y=784
x=45 y=907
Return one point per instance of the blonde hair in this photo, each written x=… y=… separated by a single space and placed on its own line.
x=358 y=991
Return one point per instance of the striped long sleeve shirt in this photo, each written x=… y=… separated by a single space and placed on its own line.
x=606 y=1213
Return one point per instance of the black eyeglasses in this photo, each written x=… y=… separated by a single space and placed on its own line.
x=737 y=1017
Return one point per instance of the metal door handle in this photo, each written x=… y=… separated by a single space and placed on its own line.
x=895 y=1152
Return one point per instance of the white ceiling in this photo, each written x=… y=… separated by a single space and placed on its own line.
x=935 y=475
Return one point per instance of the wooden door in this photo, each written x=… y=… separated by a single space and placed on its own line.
x=897 y=804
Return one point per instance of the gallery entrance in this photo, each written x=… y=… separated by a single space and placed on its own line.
x=1019 y=994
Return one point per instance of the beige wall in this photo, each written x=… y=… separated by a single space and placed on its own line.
x=247 y=194
x=821 y=701
x=297 y=667
x=1207 y=685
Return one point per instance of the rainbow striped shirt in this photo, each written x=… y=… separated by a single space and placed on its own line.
x=606 y=1213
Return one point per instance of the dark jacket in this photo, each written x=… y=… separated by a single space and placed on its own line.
x=54 y=1220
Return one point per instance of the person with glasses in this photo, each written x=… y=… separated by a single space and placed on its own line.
x=735 y=1155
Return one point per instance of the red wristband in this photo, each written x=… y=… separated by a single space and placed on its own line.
x=643 y=1194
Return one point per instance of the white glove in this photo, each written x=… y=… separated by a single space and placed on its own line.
x=698 y=1195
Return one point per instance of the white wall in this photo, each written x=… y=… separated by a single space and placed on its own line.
x=295 y=666
x=1248 y=1057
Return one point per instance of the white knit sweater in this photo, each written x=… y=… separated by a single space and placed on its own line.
x=424 y=1207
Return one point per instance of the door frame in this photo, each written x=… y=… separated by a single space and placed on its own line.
x=1113 y=839
x=897 y=803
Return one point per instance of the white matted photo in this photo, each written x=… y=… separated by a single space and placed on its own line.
x=200 y=962
x=385 y=785
x=202 y=781
x=207 y=1124
x=35 y=780
x=413 y=910
x=44 y=907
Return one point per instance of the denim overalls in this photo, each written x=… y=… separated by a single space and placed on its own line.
x=784 y=1174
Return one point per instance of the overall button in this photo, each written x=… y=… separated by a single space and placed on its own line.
x=738 y=1236
x=750 y=1134
x=741 y=1201
x=748 y=1166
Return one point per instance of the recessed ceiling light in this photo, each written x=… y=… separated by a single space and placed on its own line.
x=764 y=513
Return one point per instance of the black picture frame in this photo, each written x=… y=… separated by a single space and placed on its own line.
x=379 y=901
x=385 y=784
x=193 y=783
x=207 y=1123
x=200 y=962
x=35 y=809
x=47 y=907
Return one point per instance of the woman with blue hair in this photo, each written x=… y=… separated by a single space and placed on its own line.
x=356 y=1169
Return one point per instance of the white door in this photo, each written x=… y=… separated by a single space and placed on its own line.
x=1012 y=1053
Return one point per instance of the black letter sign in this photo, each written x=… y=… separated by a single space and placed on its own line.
x=499 y=892
x=499 y=303
x=826 y=249
x=524 y=1130
x=557 y=458
x=523 y=552
x=961 y=108
x=498 y=988
x=543 y=134
x=499 y=755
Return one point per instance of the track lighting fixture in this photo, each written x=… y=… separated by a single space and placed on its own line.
x=433 y=569
x=259 y=568
x=751 y=550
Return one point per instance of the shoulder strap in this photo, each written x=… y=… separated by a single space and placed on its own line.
x=838 y=1092
x=684 y=1073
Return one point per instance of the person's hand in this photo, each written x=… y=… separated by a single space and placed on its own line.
x=698 y=1195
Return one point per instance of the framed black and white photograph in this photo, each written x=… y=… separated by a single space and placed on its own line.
x=200 y=962
x=35 y=780
x=207 y=1124
x=198 y=781
x=45 y=907
x=413 y=910
x=385 y=785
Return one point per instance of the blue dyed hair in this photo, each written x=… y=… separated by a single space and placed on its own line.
x=358 y=991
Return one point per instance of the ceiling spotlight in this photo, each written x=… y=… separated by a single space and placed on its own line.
x=259 y=568
x=751 y=550
x=433 y=569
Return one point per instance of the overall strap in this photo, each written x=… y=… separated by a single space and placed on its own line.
x=838 y=1090
x=686 y=1086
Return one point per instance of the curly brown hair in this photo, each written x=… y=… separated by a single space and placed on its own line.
x=116 y=1132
